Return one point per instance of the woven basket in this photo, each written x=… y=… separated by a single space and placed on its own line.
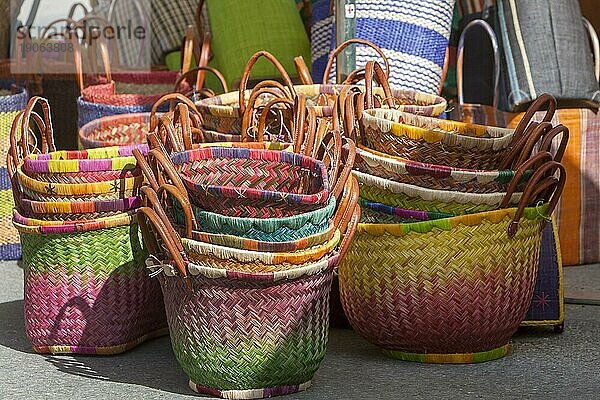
x=275 y=350
x=219 y=257
x=253 y=183
x=443 y=142
x=115 y=130
x=10 y=106
x=407 y=196
x=87 y=290
x=432 y=176
x=460 y=287
x=377 y=213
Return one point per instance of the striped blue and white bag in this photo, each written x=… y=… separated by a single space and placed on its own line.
x=413 y=34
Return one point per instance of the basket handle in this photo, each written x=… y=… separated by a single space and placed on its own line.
x=347 y=43
x=542 y=183
x=74 y=8
x=374 y=71
x=262 y=121
x=104 y=52
x=546 y=144
x=543 y=100
x=534 y=163
x=246 y=76
x=346 y=204
x=173 y=98
x=182 y=198
x=160 y=229
x=47 y=132
x=163 y=165
x=523 y=149
x=303 y=72
x=330 y=152
x=150 y=199
x=352 y=226
x=263 y=87
x=198 y=70
x=150 y=174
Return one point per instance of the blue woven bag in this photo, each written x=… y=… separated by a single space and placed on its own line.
x=412 y=33
x=10 y=106
x=89 y=112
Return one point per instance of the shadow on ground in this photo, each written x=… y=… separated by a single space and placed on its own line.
x=151 y=364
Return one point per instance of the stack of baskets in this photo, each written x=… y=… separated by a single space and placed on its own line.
x=86 y=285
x=443 y=265
x=244 y=240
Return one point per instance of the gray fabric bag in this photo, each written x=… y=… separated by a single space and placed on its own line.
x=545 y=49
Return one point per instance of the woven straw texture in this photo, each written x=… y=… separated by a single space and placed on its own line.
x=578 y=213
x=297 y=227
x=251 y=335
x=251 y=183
x=10 y=105
x=432 y=176
x=89 y=292
x=459 y=286
x=117 y=130
x=72 y=211
x=89 y=111
x=252 y=261
x=221 y=113
x=407 y=196
x=434 y=141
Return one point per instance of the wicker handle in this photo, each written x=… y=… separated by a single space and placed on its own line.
x=523 y=149
x=197 y=71
x=534 y=163
x=45 y=126
x=355 y=77
x=308 y=145
x=150 y=199
x=273 y=88
x=373 y=71
x=346 y=204
x=184 y=202
x=300 y=123
x=352 y=226
x=104 y=52
x=347 y=43
x=546 y=144
x=145 y=213
x=546 y=187
x=246 y=76
x=303 y=72
x=543 y=101
x=165 y=169
x=173 y=98
x=264 y=115
x=330 y=152
x=74 y=8
x=187 y=49
x=15 y=152
x=149 y=174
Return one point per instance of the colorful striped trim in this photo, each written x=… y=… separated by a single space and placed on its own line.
x=29 y=225
x=78 y=189
x=99 y=153
x=446 y=196
x=250 y=393
x=79 y=165
x=324 y=264
x=416 y=215
x=447 y=224
x=257 y=245
x=315 y=166
x=437 y=130
x=465 y=358
x=247 y=256
x=100 y=351
x=79 y=207
x=402 y=166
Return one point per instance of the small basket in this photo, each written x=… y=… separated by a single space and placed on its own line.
x=460 y=287
x=443 y=142
x=87 y=290
x=253 y=183
x=115 y=130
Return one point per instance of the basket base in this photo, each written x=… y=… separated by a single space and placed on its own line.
x=101 y=351
x=250 y=393
x=464 y=358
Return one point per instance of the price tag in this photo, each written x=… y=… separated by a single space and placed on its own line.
x=350 y=11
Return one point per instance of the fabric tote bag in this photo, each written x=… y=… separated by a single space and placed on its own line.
x=412 y=33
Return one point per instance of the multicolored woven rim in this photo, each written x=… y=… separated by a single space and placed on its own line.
x=402 y=166
x=91 y=154
x=315 y=166
x=477 y=137
x=100 y=132
x=252 y=393
x=29 y=225
x=79 y=207
x=416 y=215
x=466 y=358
